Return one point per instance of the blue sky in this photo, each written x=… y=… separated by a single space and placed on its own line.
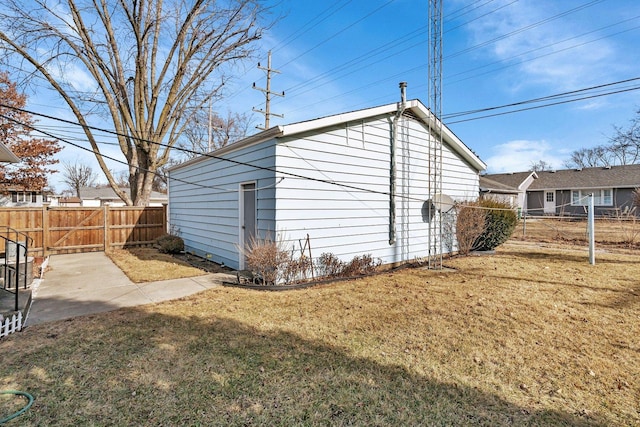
x=336 y=56
x=495 y=53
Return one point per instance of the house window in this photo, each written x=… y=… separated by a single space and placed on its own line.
x=600 y=197
x=22 y=197
x=45 y=198
x=34 y=197
x=550 y=196
x=14 y=197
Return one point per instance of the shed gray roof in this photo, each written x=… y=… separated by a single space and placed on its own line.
x=107 y=193
x=627 y=176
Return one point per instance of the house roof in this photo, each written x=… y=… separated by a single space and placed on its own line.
x=490 y=186
x=512 y=180
x=6 y=155
x=70 y=200
x=413 y=106
x=107 y=193
x=627 y=176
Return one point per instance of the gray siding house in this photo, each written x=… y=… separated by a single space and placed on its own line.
x=328 y=178
x=564 y=192
x=509 y=188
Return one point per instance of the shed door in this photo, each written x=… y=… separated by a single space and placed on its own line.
x=550 y=202
x=247 y=216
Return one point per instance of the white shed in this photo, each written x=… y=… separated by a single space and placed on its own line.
x=329 y=178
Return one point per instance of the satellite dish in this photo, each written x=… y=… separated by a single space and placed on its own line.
x=442 y=202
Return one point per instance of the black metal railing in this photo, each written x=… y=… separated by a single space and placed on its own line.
x=18 y=242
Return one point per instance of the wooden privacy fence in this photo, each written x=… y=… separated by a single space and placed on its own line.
x=61 y=230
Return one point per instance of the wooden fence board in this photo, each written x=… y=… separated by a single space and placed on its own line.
x=57 y=230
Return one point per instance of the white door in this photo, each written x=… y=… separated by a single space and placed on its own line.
x=247 y=216
x=549 y=202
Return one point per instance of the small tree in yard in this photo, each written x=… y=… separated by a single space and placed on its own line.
x=500 y=222
x=470 y=223
x=35 y=154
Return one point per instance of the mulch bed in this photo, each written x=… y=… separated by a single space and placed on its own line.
x=202 y=263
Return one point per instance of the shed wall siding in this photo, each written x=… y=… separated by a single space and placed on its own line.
x=204 y=202
x=347 y=221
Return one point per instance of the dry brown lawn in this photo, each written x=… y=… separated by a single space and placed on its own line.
x=608 y=231
x=149 y=265
x=532 y=335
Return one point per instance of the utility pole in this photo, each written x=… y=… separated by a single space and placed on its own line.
x=267 y=92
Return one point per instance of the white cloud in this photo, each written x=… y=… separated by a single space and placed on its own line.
x=518 y=155
x=546 y=50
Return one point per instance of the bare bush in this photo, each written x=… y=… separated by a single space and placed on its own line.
x=296 y=270
x=360 y=265
x=329 y=265
x=470 y=223
x=170 y=244
x=273 y=263
x=626 y=223
x=267 y=259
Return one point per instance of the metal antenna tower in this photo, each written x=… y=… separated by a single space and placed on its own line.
x=267 y=92
x=435 y=228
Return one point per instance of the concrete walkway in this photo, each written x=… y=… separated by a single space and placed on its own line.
x=87 y=283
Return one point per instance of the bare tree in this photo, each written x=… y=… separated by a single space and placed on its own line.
x=196 y=139
x=149 y=64
x=77 y=175
x=625 y=143
x=623 y=149
x=589 y=157
x=540 y=166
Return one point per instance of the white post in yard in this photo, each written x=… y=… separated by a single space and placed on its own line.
x=591 y=231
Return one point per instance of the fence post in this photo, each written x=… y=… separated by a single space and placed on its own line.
x=591 y=228
x=45 y=230
x=165 y=224
x=105 y=220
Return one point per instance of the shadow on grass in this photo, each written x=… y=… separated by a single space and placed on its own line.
x=558 y=256
x=132 y=367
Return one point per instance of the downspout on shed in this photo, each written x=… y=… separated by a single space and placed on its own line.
x=392 y=168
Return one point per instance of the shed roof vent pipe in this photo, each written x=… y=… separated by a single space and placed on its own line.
x=392 y=168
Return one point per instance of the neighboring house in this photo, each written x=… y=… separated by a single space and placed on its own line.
x=564 y=192
x=509 y=188
x=329 y=179
x=10 y=197
x=14 y=197
x=91 y=196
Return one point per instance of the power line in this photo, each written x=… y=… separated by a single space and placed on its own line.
x=547 y=105
x=303 y=29
x=208 y=155
x=523 y=29
x=543 y=98
x=337 y=33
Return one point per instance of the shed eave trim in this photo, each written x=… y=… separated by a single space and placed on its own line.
x=266 y=135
